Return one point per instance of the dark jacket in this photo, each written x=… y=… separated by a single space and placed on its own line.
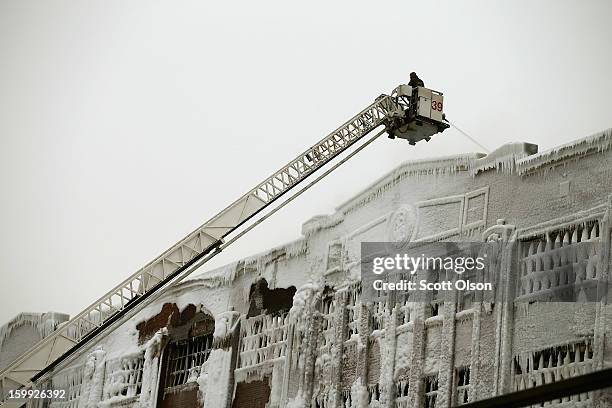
x=416 y=82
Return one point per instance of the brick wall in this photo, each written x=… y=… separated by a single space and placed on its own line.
x=254 y=394
x=185 y=398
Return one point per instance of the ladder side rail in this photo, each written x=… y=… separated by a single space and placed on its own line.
x=330 y=146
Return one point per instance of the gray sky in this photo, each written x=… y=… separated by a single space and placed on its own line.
x=125 y=125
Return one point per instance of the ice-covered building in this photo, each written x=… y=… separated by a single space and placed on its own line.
x=287 y=328
x=25 y=330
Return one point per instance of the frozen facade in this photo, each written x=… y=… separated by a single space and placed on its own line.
x=287 y=328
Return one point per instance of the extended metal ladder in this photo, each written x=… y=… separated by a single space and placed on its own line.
x=72 y=335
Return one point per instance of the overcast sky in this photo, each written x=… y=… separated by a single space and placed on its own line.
x=125 y=125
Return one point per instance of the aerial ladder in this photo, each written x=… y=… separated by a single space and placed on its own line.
x=413 y=114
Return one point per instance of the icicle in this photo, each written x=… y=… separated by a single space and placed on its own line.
x=566 y=238
x=549 y=244
x=564 y=256
x=43 y=323
x=541 y=361
x=539 y=248
x=538 y=260
x=547 y=262
x=594 y=231
x=558 y=241
x=598 y=142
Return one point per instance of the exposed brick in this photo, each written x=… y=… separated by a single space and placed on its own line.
x=185 y=398
x=168 y=315
x=204 y=326
x=182 y=324
x=254 y=394
x=269 y=301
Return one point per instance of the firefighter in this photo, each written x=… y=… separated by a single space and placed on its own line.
x=415 y=80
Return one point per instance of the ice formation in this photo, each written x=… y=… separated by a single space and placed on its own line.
x=93 y=379
x=230 y=272
x=43 y=323
x=598 y=142
x=297 y=402
x=217 y=376
x=302 y=299
x=153 y=349
x=503 y=159
x=333 y=347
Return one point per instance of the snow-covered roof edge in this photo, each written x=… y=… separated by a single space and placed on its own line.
x=597 y=142
x=228 y=272
x=504 y=158
x=44 y=323
x=422 y=167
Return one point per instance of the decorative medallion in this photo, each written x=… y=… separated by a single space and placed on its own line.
x=401 y=226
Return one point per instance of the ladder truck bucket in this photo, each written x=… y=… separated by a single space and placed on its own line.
x=418 y=115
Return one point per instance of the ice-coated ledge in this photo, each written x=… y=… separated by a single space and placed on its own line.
x=414 y=168
x=504 y=158
x=597 y=142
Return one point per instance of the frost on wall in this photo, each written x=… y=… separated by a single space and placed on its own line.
x=302 y=301
x=152 y=353
x=297 y=402
x=92 y=380
x=215 y=374
x=227 y=274
x=216 y=378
